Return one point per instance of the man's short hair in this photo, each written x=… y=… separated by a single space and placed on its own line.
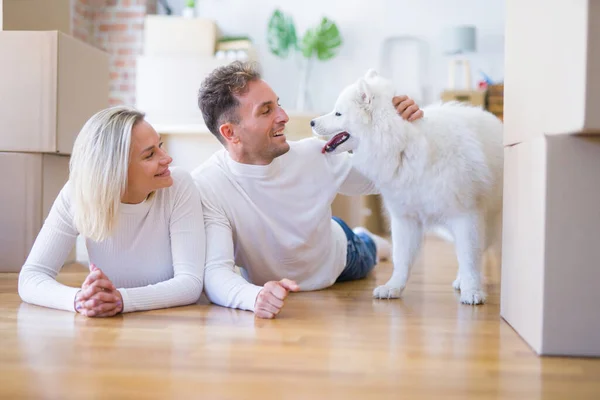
x=217 y=95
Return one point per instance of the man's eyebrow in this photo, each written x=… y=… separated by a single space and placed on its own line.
x=266 y=103
x=269 y=102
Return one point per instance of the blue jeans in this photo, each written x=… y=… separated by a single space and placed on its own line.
x=361 y=255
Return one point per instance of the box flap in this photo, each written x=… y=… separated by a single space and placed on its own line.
x=29 y=87
x=83 y=87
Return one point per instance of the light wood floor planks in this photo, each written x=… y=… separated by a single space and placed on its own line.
x=335 y=343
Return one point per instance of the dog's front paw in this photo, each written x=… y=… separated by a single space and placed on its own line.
x=387 y=292
x=473 y=297
x=456 y=284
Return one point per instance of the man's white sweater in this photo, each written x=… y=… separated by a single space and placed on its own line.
x=274 y=221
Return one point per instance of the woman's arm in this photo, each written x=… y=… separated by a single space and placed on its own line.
x=37 y=280
x=188 y=247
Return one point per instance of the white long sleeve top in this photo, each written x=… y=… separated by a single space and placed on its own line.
x=274 y=221
x=155 y=256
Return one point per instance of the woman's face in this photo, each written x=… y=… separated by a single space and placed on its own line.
x=148 y=164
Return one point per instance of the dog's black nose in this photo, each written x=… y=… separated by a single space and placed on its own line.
x=312 y=123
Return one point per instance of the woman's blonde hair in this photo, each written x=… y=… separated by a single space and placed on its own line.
x=98 y=170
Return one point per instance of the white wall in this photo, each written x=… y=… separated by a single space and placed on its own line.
x=364 y=25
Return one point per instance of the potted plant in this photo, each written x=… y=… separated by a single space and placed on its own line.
x=189 y=10
x=320 y=42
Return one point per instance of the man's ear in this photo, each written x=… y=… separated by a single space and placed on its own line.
x=228 y=133
x=365 y=95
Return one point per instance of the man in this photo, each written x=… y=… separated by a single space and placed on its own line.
x=267 y=202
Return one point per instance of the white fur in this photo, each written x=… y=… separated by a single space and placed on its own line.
x=444 y=170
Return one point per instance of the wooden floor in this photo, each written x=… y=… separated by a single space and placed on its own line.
x=335 y=343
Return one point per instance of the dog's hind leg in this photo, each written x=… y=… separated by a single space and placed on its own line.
x=407 y=236
x=469 y=237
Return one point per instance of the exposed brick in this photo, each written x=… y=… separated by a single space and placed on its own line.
x=123 y=38
x=124 y=52
x=130 y=15
x=115 y=26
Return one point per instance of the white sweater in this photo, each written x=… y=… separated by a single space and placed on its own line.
x=155 y=256
x=274 y=221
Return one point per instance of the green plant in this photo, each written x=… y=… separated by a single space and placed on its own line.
x=190 y=3
x=321 y=41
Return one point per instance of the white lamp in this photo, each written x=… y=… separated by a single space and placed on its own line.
x=457 y=41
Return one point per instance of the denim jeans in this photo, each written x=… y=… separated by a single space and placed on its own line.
x=361 y=254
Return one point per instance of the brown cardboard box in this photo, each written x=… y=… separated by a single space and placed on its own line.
x=298 y=127
x=349 y=208
x=167 y=87
x=31 y=183
x=36 y=15
x=168 y=35
x=376 y=219
x=51 y=84
x=474 y=97
x=551 y=256
x=552 y=68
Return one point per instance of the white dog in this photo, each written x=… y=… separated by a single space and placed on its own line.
x=445 y=169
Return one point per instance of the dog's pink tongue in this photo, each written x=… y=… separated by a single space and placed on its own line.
x=333 y=142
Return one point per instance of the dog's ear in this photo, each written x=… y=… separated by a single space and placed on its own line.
x=371 y=73
x=365 y=95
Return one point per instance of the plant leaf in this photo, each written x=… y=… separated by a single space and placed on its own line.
x=324 y=40
x=308 y=43
x=281 y=34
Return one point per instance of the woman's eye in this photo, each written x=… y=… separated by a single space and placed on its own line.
x=150 y=155
x=337 y=114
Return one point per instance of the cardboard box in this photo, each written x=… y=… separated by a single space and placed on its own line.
x=349 y=208
x=29 y=191
x=551 y=267
x=167 y=87
x=36 y=15
x=474 y=97
x=552 y=68
x=52 y=84
x=298 y=127
x=167 y=35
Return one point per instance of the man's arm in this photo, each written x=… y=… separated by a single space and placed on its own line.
x=223 y=286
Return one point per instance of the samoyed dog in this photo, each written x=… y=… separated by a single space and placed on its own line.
x=443 y=170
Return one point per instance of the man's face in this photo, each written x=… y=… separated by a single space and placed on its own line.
x=259 y=136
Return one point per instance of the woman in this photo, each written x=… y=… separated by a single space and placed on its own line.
x=143 y=225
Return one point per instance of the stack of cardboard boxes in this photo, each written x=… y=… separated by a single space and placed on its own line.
x=178 y=53
x=551 y=250
x=50 y=84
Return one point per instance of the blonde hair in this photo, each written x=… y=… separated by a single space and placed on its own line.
x=98 y=170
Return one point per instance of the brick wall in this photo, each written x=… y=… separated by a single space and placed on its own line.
x=117 y=27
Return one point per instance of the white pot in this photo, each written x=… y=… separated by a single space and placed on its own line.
x=188 y=12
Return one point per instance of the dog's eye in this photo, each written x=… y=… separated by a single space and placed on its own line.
x=337 y=114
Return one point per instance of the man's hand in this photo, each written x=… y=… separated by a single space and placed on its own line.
x=98 y=296
x=270 y=299
x=407 y=108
